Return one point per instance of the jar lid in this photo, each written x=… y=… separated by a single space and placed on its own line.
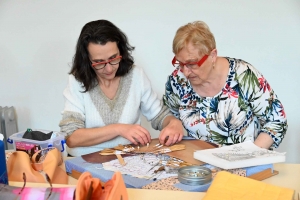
x=194 y=175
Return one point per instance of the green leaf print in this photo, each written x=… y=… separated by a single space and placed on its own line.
x=248 y=80
x=220 y=139
x=242 y=104
x=236 y=138
x=172 y=101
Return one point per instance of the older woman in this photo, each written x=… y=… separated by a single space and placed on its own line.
x=221 y=99
x=107 y=94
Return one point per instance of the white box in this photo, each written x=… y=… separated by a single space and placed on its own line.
x=58 y=141
x=245 y=154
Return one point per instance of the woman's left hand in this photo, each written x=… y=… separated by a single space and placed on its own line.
x=171 y=133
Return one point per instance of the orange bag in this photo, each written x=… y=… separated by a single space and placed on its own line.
x=91 y=188
x=43 y=165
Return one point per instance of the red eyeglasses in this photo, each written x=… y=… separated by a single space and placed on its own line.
x=190 y=65
x=102 y=64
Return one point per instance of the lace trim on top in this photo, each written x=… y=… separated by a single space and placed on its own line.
x=110 y=110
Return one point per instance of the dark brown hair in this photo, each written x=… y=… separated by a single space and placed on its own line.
x=99 y=32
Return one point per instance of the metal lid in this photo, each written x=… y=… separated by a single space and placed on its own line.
x=194 y=175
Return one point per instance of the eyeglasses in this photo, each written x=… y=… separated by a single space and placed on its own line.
x=190 y=65
x=101 y=65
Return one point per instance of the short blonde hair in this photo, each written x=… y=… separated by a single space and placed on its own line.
x=198 y=33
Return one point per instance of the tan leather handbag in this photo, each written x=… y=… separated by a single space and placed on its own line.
x=43 y=167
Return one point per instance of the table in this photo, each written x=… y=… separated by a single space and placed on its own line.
x=289 y=177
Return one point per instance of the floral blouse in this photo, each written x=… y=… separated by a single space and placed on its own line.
x=245 y=107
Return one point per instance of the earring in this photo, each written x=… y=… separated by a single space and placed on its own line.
x=213 y=66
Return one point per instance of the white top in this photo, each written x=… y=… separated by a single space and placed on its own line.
x=93 y=109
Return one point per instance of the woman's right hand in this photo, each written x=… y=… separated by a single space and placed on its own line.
x=134 y=133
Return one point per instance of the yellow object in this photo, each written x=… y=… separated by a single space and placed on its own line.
x=227 y=186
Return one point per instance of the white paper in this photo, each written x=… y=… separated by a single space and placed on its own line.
x=138 y=166
x=245 y=154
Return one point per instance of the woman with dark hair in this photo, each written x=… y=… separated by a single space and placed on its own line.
x=107 y=94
